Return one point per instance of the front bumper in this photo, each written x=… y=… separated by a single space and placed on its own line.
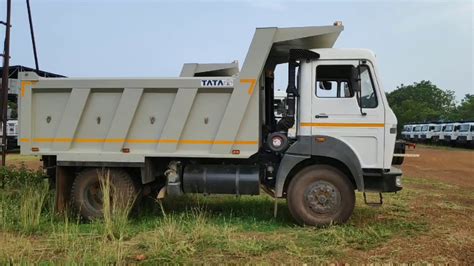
x=383 y=180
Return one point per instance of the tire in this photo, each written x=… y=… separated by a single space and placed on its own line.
x=86 y=192
x=320 y=195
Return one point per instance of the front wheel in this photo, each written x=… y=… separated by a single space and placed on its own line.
x=320 y=195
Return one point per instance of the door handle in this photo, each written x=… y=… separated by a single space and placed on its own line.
x=321 y=116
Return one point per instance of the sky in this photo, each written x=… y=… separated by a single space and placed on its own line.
x=413 y=40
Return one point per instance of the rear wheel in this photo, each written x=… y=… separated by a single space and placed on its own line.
x=320 y=195
x=87 y=191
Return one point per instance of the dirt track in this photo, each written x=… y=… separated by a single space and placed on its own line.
x=454 y=166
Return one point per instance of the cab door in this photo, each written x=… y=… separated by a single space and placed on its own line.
x=337 y=112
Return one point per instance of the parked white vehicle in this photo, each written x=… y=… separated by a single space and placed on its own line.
x=406 y=131
x=437 y=132
x=427 y=132
x=466 y=130
x=213 y=129
x=12 y=133
x=451 y=132
x=415 y=135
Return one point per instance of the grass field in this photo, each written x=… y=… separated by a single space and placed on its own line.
x=429 y=221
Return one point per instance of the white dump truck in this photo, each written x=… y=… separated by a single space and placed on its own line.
x=465 y=136
x=427 y=132
x=437 y=133
x=407 y=129
x=213 y=129
x=450 y=132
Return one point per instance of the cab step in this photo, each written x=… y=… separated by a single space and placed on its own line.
x=374 y=204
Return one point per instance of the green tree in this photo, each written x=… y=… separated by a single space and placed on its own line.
x=421 y=101
x=465 y=111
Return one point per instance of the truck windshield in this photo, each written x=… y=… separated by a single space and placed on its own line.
x=464 y=128
x=417 y=129
x=437 y=129
x=448 y=128
x=424 y=128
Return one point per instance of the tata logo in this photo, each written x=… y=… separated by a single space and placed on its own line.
x=217 y=83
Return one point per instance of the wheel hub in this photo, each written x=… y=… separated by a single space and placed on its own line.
x=322 y=197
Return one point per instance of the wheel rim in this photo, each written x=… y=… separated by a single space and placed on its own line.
x=93 y=194
x=322 y=197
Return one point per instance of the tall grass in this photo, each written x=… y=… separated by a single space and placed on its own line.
x=32 y=201
x=116 y=208
x=23 y=198
x=195 y=229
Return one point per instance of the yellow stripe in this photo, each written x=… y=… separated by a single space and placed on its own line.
x=24 y=84
x=370 y=125
x=140 y=141
x=252 y=82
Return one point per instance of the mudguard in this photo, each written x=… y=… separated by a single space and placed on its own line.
x=307 y=147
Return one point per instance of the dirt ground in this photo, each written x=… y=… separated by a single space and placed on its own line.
x=455 y=166
x=30 y=162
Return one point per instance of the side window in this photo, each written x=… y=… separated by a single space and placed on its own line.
x=327 y=88
x=332 y=81
x=368 y=95
x=472 y=128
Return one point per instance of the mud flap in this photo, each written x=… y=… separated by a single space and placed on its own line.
x=64 y=178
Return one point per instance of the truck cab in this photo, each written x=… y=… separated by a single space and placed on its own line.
x=451 y=132
x=466 y=131
x=437 y=132
x=405 y=134
x=427 y=131
x=329 y=105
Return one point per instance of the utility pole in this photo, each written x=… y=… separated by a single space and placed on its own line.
x=30 y=19
x=4 y=92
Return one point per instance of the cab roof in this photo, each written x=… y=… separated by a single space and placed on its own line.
x=345 y=53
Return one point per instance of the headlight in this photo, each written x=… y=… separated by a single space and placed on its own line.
x=398 y=181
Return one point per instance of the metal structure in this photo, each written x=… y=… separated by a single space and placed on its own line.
x=6 y=73
x=4 y=92
x=33 y=42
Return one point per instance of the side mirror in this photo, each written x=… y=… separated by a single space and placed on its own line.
x=355 y=79
x=325 y=85
x=357 y=86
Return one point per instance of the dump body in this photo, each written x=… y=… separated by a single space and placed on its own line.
x=126 y=120
x=98 y=119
